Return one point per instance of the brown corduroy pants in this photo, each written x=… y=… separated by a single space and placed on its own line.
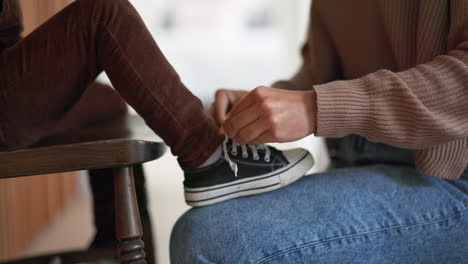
x=45 y=80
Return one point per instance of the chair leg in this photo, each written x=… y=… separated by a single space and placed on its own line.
x=129 y=231
x=145 y=216
x=102 y=186
x=104 y=209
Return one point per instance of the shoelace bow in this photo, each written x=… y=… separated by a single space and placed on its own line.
x=245 y=154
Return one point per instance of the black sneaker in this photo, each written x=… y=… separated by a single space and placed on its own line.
x=245 y=170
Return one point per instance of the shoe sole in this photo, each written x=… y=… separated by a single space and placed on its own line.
x=197 y=197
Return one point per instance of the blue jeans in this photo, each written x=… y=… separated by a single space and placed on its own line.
x=372 y=207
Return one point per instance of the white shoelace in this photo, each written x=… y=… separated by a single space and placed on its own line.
x=245 y=154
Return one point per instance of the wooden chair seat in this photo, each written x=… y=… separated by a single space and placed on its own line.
x=118 y=144
x=121 y=142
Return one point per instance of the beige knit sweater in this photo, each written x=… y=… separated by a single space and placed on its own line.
x=393 y=71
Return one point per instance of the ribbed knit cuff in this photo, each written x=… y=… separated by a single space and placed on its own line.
x=343 y=108
x=445 y=161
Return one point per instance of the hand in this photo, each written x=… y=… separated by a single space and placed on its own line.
x=225 y=100
x=268 y=115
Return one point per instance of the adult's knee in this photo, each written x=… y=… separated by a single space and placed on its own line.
x=185 y=245
x=196 y=239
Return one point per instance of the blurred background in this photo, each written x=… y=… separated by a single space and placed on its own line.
x=213 y=44
x=227 y=43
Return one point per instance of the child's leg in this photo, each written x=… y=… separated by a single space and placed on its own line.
x=98 y=103
x=44 y=75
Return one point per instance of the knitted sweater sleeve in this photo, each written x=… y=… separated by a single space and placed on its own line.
x=418 y=108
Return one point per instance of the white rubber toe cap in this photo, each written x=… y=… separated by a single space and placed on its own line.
x=294 y=155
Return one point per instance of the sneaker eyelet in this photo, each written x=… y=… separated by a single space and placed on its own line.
x=245 y=156
x=256 y=157
x=266 y=159
x=234 y=153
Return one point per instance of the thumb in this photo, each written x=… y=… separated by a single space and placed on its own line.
x=221 y=107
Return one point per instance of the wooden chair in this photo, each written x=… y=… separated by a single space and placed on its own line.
x=117 y=145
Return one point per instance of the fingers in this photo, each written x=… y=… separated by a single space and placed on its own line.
x=236 y=122
x=265 y=137
x=221 y=106
x=254 y=132
x=246 y=116
x=249 y=100
x=210 y=113
x=272 y=115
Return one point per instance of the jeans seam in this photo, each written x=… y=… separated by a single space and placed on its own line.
x=319 y=242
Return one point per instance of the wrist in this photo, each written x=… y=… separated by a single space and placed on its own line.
x=310 y=102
